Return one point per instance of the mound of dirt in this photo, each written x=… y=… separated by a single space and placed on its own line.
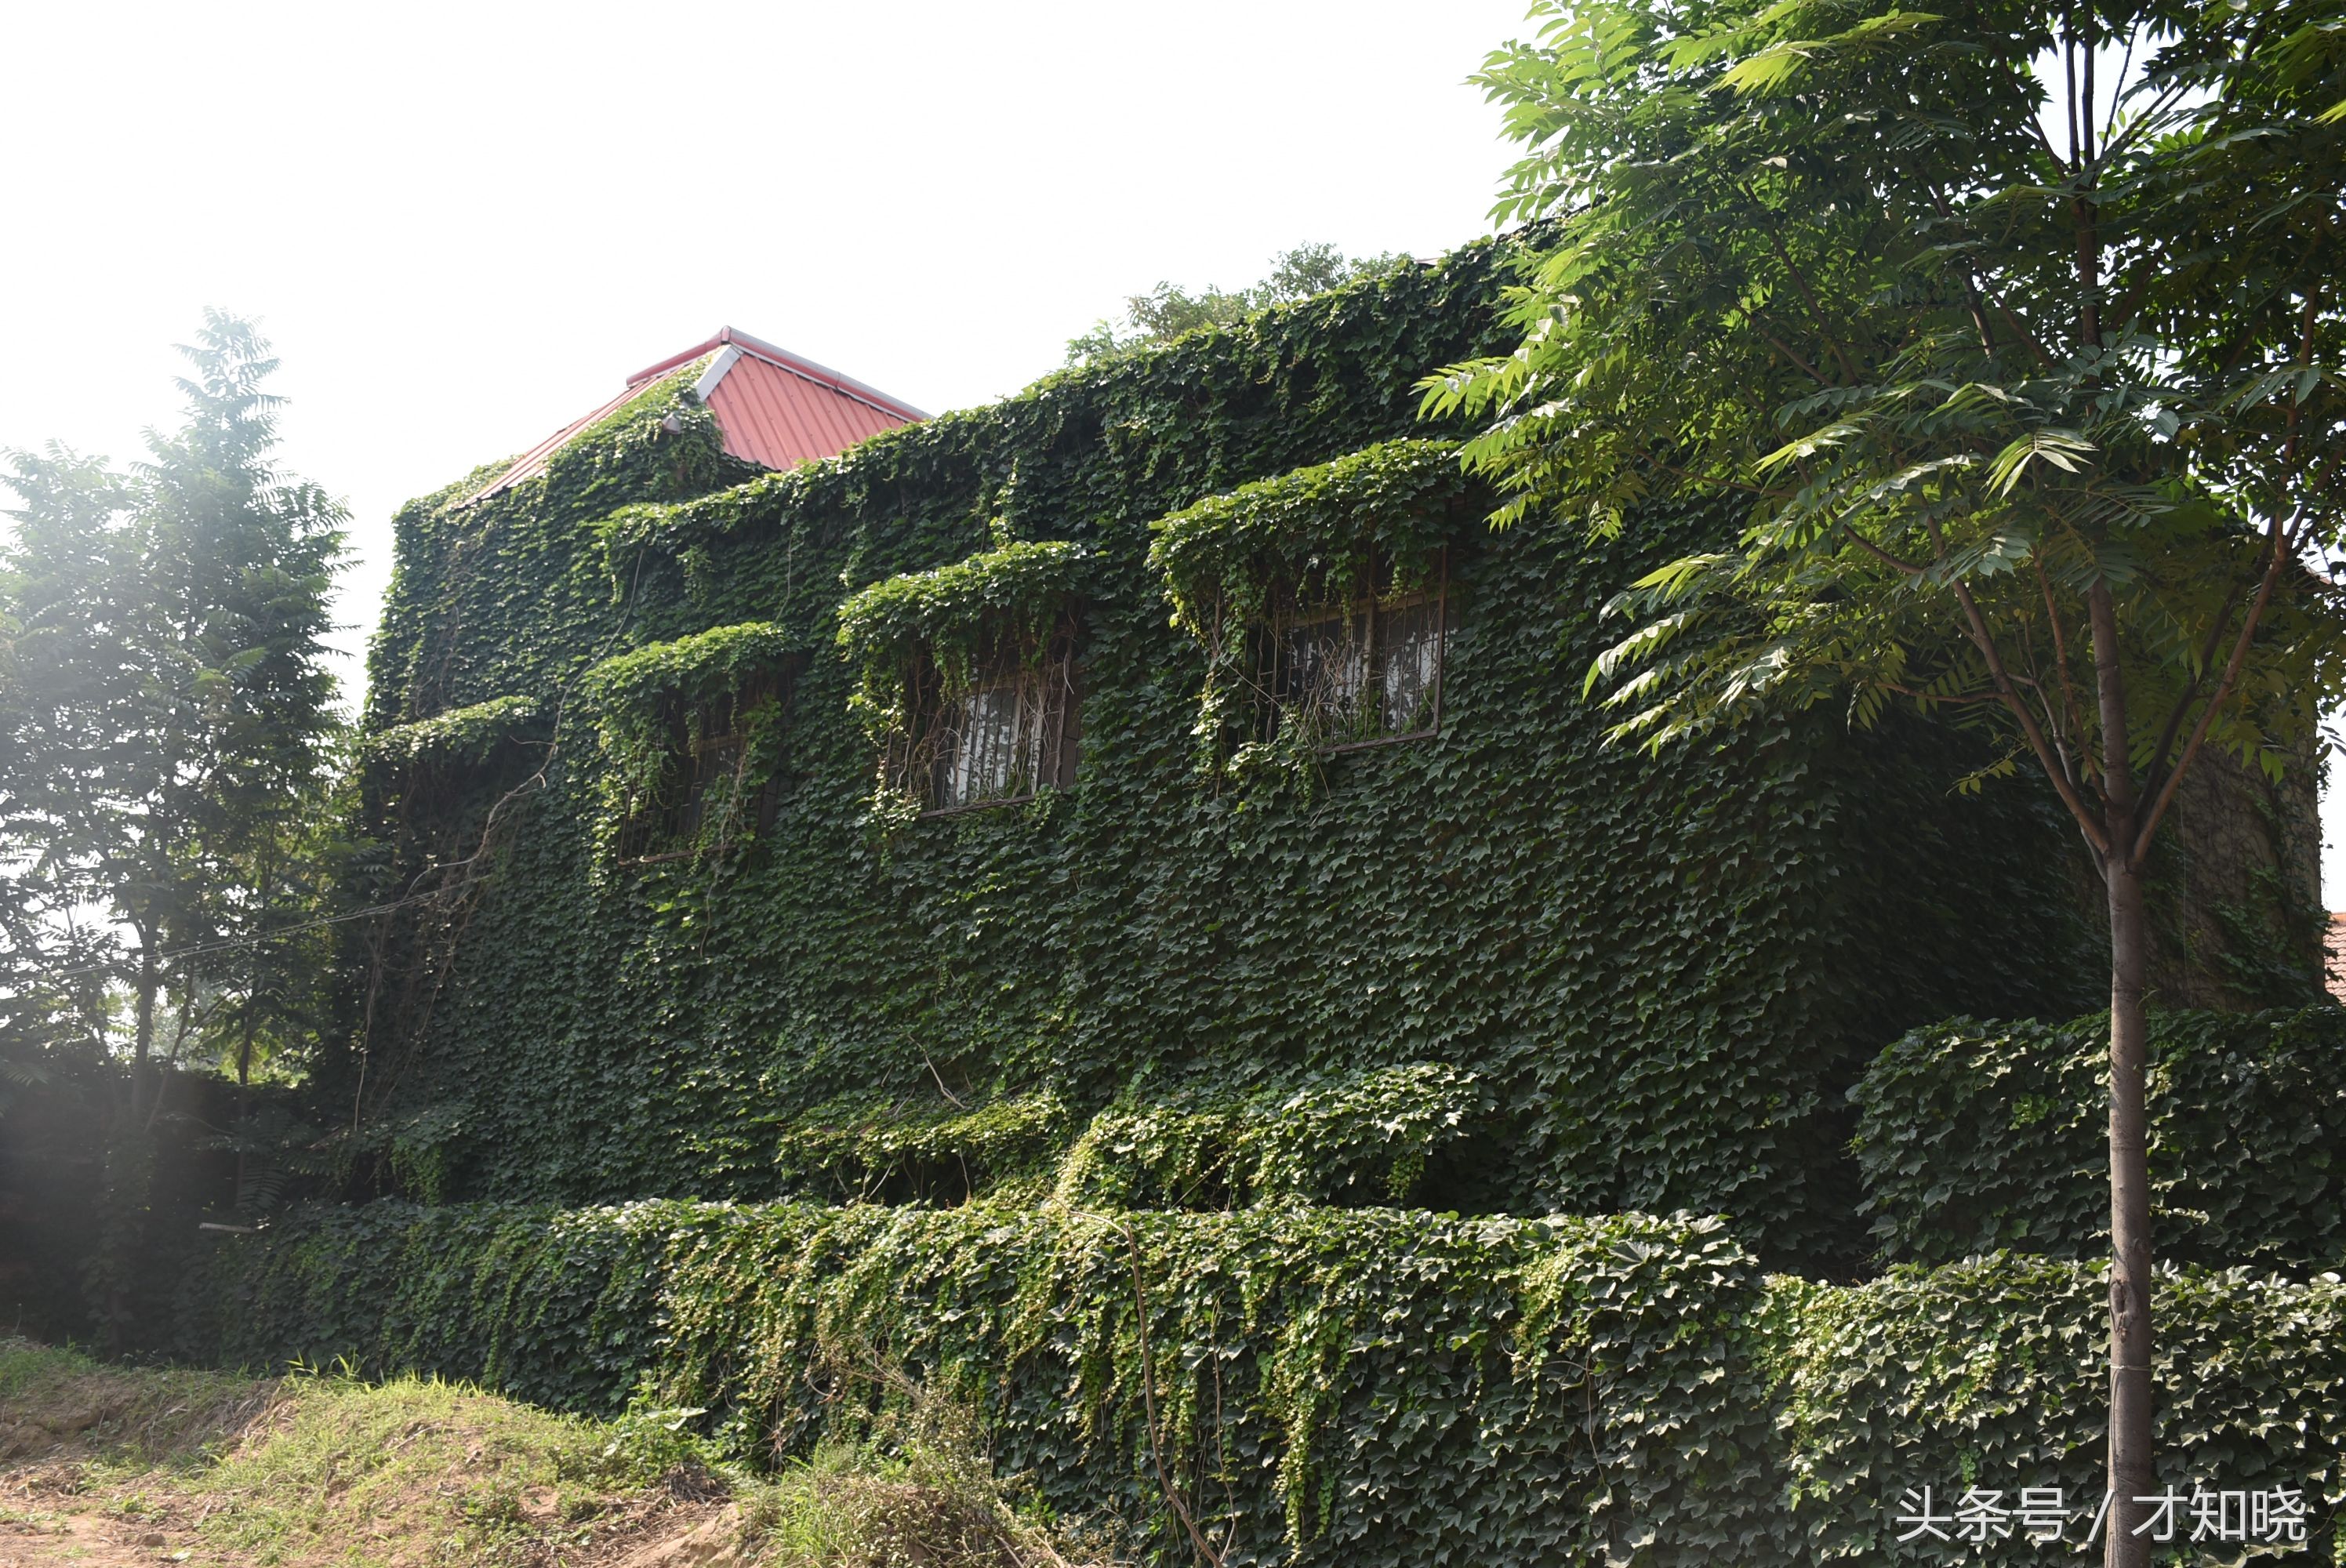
x=99 y=1413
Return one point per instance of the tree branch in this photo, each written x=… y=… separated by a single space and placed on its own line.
x=2117 y=93
x=2046 y=142
x=1800 y=282
x=1970 y=278
x=2155 y=774
x=1870 y=548
x=2282 y=539
x=2061 y=658
x=2133 y=131
x=1964 y=699
x=2028 y=724
x=2282 y=545
x=1786 y=350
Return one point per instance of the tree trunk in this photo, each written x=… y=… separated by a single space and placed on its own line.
x=244 y=1087
x=2130 y=1389
x=2130 y=1374
x=143 y=1044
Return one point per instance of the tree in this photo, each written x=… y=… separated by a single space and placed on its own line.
x=33 y=943
x=170 y=712
x=1167 y=311
x=2011 y=332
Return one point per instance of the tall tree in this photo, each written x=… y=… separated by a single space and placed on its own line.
x=170 y=711
x=1170 y=310
x=2011 y=330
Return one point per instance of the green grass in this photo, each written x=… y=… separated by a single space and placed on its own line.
x=318 y=1468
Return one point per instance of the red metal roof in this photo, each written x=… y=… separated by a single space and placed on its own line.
x=773 y=409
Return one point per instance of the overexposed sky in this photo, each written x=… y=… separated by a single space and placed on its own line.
x=464 y=225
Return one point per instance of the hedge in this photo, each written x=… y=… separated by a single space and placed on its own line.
x=1977 y=1136
x=1372 y=1387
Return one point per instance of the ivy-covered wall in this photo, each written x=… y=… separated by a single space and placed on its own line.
x=1655 y=978
x=1377 y=1387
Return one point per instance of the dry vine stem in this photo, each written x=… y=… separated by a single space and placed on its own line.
x=1148 y=1401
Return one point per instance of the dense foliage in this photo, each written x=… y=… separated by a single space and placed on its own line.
x=1661 y=975
x=166 y=739
x=653 y=708
x=1974 y=1137
x=460 y=736
x=1384 y=1135
x=1009 y=600
x=1359 y=1139
x=1371 y=523
x=2012 y=333
x=1997 y=361
x=1373 y=1387
x=169 y=707
x=1315 y=531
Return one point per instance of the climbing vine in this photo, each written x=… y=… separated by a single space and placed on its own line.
x=1358 y=1138
x=1974 y=1136
x=1315 y=533
x=459 y=735
x=1371 y=524
x=952 y=616
x=1661 y=976
x=652 y=709
x=916 y=642
x=1193 y=1131
x=1377 y=1387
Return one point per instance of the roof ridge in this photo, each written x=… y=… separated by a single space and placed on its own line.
x=783 y=359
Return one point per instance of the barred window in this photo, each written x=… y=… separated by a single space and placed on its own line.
x=1361 y=673
x=1016 y=731
x=712 y=785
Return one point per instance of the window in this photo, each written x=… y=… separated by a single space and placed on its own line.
x=714 y=788
x=1363 y=673
x=1016 y=731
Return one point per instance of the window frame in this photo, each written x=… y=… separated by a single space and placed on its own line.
x=1367 y=606
x=912 y=760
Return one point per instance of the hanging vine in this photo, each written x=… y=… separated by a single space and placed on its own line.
x=917 y=642
x=460 y=736
x=652 y=710
x=1373 y=523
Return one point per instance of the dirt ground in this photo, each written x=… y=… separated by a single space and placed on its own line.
x=48 y=1517
x=107 y=1468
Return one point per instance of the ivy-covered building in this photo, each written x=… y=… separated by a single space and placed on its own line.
x=1112 y=906
x=1172 y=740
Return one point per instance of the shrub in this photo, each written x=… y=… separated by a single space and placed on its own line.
x=1976 y=1136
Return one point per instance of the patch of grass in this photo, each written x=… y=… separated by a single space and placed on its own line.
x=918 y=1491
x=411 y=1471
x=314 y=1469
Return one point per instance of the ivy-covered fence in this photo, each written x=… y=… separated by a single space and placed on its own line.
x=1662 y=975
x=1369 y=1387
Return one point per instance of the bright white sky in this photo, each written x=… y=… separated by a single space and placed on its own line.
x=463 y=224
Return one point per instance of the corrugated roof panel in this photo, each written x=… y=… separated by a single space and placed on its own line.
x=777 y=418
